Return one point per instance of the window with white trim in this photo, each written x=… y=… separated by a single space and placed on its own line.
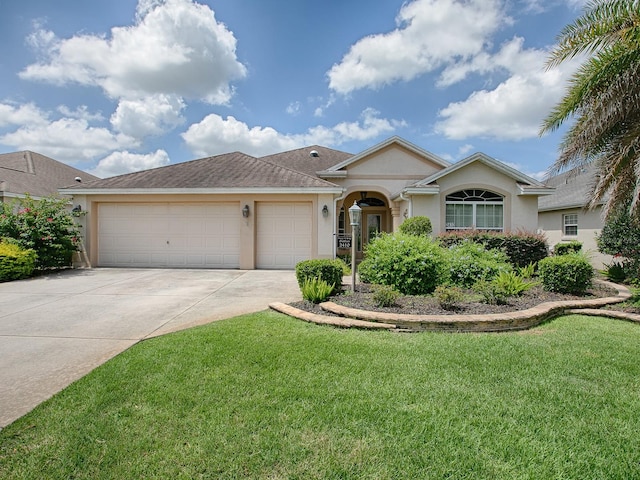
x=570 y=224
x=474 y=209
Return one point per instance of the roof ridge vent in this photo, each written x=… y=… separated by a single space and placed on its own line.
x=314 y=153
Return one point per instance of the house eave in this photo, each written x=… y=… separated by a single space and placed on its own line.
x=202 y=191
x=537 y=191
x=332 y=174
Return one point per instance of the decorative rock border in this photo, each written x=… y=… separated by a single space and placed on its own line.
x=498 y=322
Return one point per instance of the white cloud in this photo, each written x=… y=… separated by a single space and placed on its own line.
x=153 y=115
x=215 y=135
x=293 y=108
x=27 y=114
x=118 y=163
x=70 y=140
x=515 y=109
x=430 y=34
x=80 y=112
x=176 y=47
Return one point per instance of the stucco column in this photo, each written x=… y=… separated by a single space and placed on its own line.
x=396 y=217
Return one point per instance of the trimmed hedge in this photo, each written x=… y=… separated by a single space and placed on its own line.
x=413 y=265
x=15 y=262
x=567 y=247
x=570 y=273
x=522 y=248
x=327 y=270
x=419 y=225
x=471 y=262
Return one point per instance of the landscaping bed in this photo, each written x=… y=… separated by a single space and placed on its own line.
x=428 y=305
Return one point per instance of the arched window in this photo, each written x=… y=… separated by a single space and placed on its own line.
x=474 y=209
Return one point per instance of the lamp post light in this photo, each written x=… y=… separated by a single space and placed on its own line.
x=355 y=213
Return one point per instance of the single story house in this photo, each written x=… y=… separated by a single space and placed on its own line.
x=39 y=176
x=238 y=211
x=563 y=218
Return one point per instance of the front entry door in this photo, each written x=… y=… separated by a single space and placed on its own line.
x=373 y=227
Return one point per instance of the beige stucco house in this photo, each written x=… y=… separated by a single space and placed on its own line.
x=563 y=218
x=238 y=211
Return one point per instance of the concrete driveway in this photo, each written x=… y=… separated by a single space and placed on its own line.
x=56 y=328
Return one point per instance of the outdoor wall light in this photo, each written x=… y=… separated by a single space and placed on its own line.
x=325 y=211
x=245 y=211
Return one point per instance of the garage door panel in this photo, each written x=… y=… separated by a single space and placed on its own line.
x=284 y=232
x=169 y=235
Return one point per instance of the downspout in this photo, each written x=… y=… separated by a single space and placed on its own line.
x=410 y=200
x=335 y=224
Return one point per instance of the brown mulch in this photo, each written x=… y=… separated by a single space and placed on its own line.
x=428 y=305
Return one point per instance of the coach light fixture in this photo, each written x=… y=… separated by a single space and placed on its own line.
x=245 y=211
x=325 y=211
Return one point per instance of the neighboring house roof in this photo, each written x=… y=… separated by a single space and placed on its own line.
x=34 y=174
x=573 y=190
x=228 y=172
x=339 y=167
x=309 y=160
x=527 y=185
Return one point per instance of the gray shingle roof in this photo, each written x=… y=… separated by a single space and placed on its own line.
x=301 y=159
x=231 y=170
x=39 y=176
x=573 y=190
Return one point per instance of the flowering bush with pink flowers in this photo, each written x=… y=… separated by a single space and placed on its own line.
x=45 y=226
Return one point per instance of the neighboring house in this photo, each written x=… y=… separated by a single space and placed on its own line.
x=563 y=218
x=23 y=173
x=238 y=211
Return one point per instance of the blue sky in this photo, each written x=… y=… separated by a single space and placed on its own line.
x=114 y=87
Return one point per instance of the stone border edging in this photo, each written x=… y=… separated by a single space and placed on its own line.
x=498 y=322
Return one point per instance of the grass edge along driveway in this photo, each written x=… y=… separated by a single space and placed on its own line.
x=267 y=396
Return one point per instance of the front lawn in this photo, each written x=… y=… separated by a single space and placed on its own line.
x=266 y=396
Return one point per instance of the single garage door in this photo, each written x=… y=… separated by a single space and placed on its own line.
x=283 y=234
x=203 y=235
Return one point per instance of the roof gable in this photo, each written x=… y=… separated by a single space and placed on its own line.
x=423 y=157
x=526 y=183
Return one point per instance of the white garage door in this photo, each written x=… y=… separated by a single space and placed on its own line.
x=283 y=234
x=205 y=235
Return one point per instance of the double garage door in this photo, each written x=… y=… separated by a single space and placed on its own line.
x=203 y=235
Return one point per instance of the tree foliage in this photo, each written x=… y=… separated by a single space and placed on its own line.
x=45 y=226
x=604 y=100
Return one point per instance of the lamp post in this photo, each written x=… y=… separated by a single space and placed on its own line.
x=355 y=213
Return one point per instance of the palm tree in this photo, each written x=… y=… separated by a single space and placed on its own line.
x=603 y=98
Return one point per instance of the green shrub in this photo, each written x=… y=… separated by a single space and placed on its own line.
x=567 y=247
x=570 y=273
x=522 y=248
x=413 y=265
x=620 y=237
x=385 y=296
x=15 y=262
x=470 y=262
x=512 y=284
x=616 y=272
x=491 y=292
x=416 y=226
x=527 y=271
x=316 y=290
x=45 y=226
x=322 y=269
x=448 y=296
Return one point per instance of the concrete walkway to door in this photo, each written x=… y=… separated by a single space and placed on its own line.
x=56 y=328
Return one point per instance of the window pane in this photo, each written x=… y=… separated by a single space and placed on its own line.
x=570 y=224
x=489 y=217
x=459 y=216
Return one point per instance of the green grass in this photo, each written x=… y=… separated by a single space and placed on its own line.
x=268 y=397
